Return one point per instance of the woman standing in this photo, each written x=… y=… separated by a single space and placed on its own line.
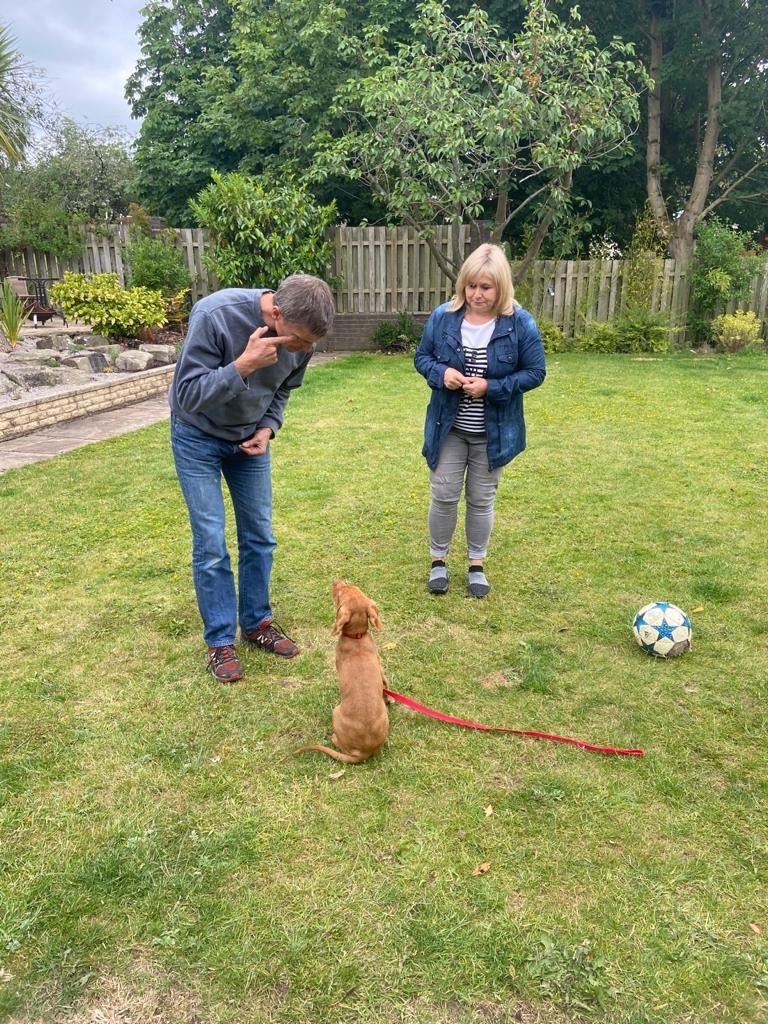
x=479 y=353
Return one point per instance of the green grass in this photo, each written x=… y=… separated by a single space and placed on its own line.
x=165 y=858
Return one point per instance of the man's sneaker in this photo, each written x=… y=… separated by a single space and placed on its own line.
x=269 y=637
x=224 y=664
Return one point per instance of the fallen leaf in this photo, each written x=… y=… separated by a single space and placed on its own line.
x=389 y=647
x=336 y=775
x=700 y=608
x=756 y=928
x=482 y=869
x=488 y=811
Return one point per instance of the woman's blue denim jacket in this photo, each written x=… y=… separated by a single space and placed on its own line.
x=515 y=365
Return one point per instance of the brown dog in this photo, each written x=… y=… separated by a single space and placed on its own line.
x=360 y=720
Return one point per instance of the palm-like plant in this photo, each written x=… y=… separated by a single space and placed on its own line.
x=13 y=120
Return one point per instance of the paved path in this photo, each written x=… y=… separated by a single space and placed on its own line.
x=63 y=437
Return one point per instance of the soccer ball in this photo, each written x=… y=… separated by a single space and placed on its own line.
x=663 y=629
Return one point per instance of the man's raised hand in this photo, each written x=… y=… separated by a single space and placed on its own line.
x=259 y=352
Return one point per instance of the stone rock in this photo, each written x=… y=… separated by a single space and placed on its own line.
x=162 y=355
x=92 y=340
x=40 y=355
x=58 y=342
x=29 y=375
x=133 y=360
x=69 y=375
x=90 y=362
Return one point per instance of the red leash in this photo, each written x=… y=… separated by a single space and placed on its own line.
x=415 y=706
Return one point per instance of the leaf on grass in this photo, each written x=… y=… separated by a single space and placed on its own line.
x=336 y=775
x=699 y=608
x=756 y=928
x=389 y=647
x=488 y=811
x=482 y=869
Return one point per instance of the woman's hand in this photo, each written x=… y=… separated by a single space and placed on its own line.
x=453 y=380
x=475 y=387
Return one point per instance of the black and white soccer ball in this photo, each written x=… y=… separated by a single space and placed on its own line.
x=663 y=629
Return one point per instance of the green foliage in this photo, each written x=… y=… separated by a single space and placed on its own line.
x=400 y=335
x=14 y=312
x=735 y=331
x=157 y=263
x=460 y=121
x=261 y=231
x=110 y=309
x=642 y=262
x=724 y=263
x=634 y=330
x=552 y=336
x=569 y=975
x=78 y=176
x=13 y=113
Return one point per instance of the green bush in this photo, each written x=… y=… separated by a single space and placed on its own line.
x=109 y=308
x=401 y=335
x=633 y=330
x=156 y=263
x=735 y=331
x=552 y=337
x=262 y=231
x=724 y=263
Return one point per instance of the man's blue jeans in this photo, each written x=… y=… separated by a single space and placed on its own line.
x=201 y=461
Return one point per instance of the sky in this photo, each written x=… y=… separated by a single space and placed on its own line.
x=86 y=49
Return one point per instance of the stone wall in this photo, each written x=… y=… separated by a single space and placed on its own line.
x=18 y=418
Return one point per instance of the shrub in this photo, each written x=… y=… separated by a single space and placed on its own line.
x=552 y=337
x=633 y=330
x=401 y=335
x=109 y=308
x=734 y=331
x=723 y=265
x=262 y=231
x=14 y=311
x=157 y=263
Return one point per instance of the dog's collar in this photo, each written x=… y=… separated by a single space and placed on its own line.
x=355 y=636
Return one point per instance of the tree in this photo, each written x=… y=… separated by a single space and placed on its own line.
x=76 y=176
x=13 y=120
x=462 y=124
x=712 y=52
x=262 y=230
x=185 y=69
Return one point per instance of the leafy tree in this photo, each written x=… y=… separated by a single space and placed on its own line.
x=185 y=69
x=261 y=230
x=13 y=120
x=77 y=176
x=463 y=125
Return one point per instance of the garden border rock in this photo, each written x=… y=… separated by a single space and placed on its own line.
x=26 y=415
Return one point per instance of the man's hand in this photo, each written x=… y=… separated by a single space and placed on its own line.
x=258 y=444
x=453 y=380
x=475 y=387
x=259 y=352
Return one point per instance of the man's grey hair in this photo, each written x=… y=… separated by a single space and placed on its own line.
x=306 y=301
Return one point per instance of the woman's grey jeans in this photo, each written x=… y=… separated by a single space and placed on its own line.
x=462 y=455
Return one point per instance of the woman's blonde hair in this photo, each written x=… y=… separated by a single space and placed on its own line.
x=491 y=261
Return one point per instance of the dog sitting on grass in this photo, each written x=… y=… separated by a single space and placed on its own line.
x=360 y=719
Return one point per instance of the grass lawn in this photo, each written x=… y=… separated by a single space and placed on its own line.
x=166 y=859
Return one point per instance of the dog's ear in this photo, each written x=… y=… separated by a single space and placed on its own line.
x=343 y=615
x=373 y=615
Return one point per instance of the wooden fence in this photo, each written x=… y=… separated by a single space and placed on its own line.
x=386 y=270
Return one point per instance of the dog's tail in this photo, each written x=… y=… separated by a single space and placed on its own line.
x=346 y=758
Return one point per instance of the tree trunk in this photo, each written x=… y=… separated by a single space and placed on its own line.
x=679 y=230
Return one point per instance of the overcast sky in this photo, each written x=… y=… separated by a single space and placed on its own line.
x=87 y=49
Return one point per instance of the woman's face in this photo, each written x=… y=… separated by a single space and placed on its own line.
x=481 y=295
